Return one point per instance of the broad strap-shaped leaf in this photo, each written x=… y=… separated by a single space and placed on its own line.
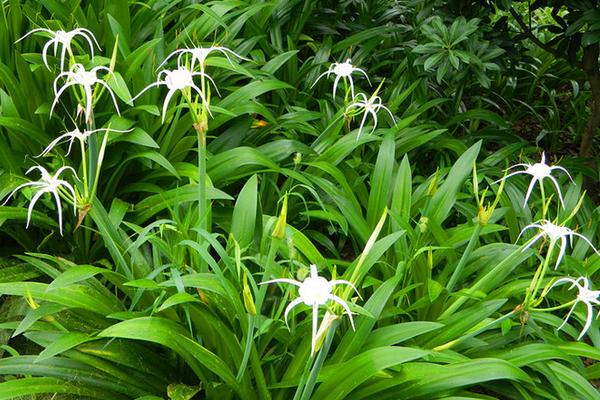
x=171 y=335
x=339 y=380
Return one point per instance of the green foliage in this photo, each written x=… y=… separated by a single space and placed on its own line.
x=155 y=290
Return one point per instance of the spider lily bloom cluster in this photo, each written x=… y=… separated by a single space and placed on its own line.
x=182 y=78
x=586 y=296
x=63 y=38
x=342 y=70
x=538 y=172
x=199 y=54
x=371 y=106
x=315 y=291
x=554 y=233
x=70 y=137
x=177 y=79
x=47 y=184
x=77 y=75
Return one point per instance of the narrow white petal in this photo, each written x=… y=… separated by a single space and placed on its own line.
x=34 y=200
x=144 y=89
x=166 y=103
x=110 y=91
x=346 y=308
x=344 y=282
x=45 y=53
x=57 y=96
x=509 y=175
x=557 y=186
x=351 y=85
x=34 y=31
x=529 y=189
x=567 y=317
x=59 y=210
x=563 y=248
x=282 y=280
x=15 y=190
x=587 y=241
x=319 y=77
x=588 y=320
x=335 y=83
x=563 y=170
x=315 y=320
x=364 y=73
x=89 y=98
x=289 y=308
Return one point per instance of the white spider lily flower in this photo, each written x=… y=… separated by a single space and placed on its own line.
x=342 y=70
x=554 y=233
x=63 y=38
x=371 y=106
x=538 y=172
x=47 y=184
x=177 y=79
x=586 y=296
x=314 y=291
x=70 y=137
x=77 y=75
x=199 y=54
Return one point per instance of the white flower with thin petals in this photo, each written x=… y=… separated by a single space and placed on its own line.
x=77 y=75
x=538 y=172
x=314 y=291
x=70 y=137
x=554 y=233
x=177 y=79
x=63 y=38
x=199 y=54
x=586 y=296
x=371 y=106
x=342 y=70
x=47 y=184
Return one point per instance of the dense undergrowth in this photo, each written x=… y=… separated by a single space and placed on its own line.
x=232 y=225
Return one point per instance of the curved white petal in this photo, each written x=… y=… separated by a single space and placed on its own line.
x=563 y=248
x=282 y=280
x=588 y=320
x=587 y=241
x=166 y=103
x=21 y=186
x=557 y=186
x=289 y=308
x=319 y=77
x=346 y=308
x=153 y=84
x=529 y=190
x=34 y=200
x=58 y=209
x=344 y=282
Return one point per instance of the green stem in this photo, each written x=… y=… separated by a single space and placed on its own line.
x=492 y=274
x=253 y=321
x=84 y=168
x=314 y=371
x=544 y=205
x=555 y=307
x=538 y=277
x=463 y=260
